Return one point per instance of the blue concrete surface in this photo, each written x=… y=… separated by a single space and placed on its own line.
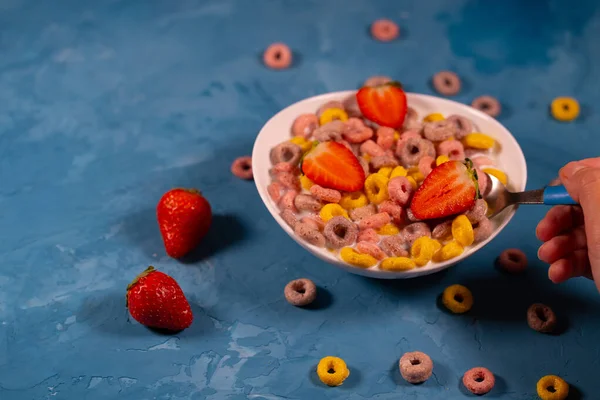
x=107 y=104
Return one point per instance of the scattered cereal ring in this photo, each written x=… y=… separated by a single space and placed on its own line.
x=446 y=83
x=286 y=152
x=371 y=148
x=462 y=231
x=479 y=380
x=377 y=81
x=332 y=114
x=309 y=233
x=332 y=210
x=400 y=190
x=305 y=182
x=242 y=167
x=552 y=387
x=277 y=56
x=461 y=124
x=442 y=231
x=340 y=232
x=326 y=195
x=541 y=318
x=388 y=229
x=477 y=212
x=300 y=292
x=458 y=299
x=289 y=217
x=394 y=246
x=359 y=213
x=368 y=235
x=304 y=125
x=287 y=201
x=412 y=232
x=426 y=165
x=488 y=105
x=397 y=264
x=423 y=249
x=393 y=209
x=564 y=109
x=376 y=188
x=385 y=137
x=512 y=260
x=441 y=159
x=433 y=117
x=374 y=221
x=371 y=249
x=479 y=141
x=482 y=230
x=415 y=367
x=412 y=150
x=352 y=257
x=353 y=200
x=398 y=171
x=452 y=149
x=332 y=371
x=305 y=145
x=449 y=251
x=274 y=189
x=439 y=130
x=501 y=176
x=306 y=202
x=331 y=131
x=385 y=30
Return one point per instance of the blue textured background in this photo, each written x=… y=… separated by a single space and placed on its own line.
x=105 y=105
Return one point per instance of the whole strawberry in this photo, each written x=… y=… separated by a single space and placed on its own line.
x=155 y=300
x=184 y=217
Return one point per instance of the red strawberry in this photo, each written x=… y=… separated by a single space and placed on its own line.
x=333 y=166
x=384 y=104
x=449 y=189
x=184 y=217
x=155 y=300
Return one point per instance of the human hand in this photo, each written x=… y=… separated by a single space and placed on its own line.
x=571 y=234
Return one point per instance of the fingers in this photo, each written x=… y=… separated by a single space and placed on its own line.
x=559 y=219
x=562 y=246
x=576 y=264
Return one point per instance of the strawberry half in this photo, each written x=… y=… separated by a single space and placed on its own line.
x=384 y=104
x=333 y=166
x=449 y=189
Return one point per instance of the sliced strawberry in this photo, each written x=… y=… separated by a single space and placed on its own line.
x=384 y=104
x=449 y=189
x=333 y=166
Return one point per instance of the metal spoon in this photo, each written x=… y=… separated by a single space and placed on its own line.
x=498 y=197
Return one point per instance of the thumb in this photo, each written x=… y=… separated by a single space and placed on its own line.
x=582 y=181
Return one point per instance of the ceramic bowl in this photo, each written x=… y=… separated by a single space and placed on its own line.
x=510 y=159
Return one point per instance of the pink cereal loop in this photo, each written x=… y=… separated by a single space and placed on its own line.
x=274 y=190
x=375 y=221
x=304 y=125
x=287 y=201
x=482 y=161
x=328 y=105
x=413 y=133
x=242 y=167
x=368 y=235
x=351 y=105
x=488 y=105
x=479 y=380
x=411 y=121
x=370 y=249
x=385 y=30
x=277 y=56
x=355 y=133
x=394 y=246
x=288 y=180
x=284 y=167
x=377 y=80
x=446 y=83
x=314 y=221
x=326 y=195
x=289 y=217
x=426 y=165
x=371 y=148
x=393 y=209
x=385 y=137
x=482 y=230
x=453 y=149
x=400 y=190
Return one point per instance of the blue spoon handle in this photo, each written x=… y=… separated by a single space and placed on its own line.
x=557 y=195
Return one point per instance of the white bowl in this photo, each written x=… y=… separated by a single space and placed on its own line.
x=277 y=129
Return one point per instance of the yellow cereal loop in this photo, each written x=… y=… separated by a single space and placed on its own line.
x=332 y=114
x=479 y=141
x=448 y=251
x=423 y=249
x=397 y=264
x=398 y=171
x=552 y=387
x=462 y=231
x=353 y=200
x=366 y=157
x=434 y=117
x=376 y=188
x=357 y=259
x=564 y=109
x=417 y=176
x=385 y=171
x=304 y=144
x=389 y=229
x=332 y=210
x=498 y=174
x=305 y=182
x=457 y=299
x=396 y=135
x=412 y=181
x=332 y=371
x=441 y=159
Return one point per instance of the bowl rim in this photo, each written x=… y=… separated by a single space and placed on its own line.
x=429 y=269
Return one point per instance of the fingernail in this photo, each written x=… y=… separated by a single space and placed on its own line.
x=571 y=168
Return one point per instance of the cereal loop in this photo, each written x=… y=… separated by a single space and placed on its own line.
x=483 y=230
x=398 y=171
x=385 y=137
x=332 y=371
x=305 y=182
x=394 y=246
x=326 y=195
x=412 y=232
x=426 y=165
x=397 y=264
x=377 y=80
x=385 y=171
x=449 y=251
x=331 y=131
x=400 y=190
x=375 y=221
x=287 y=201
x=488 y=105
x=314 y=221
x=541 y=318
x=462 y=231
x=393 y=209
x=564 y=109
x=340 y=232
x=332 y=210
x=353 y=200
x=328 y=105
x=305 y=202
x=423 y=249
x=479 y=380
x=286 y=152
x=439 y=130
x=304 y=125
x=360 y=213
x=277 y=56
x=446 y=83
x=274 y=189
x=333 y=114
x=512 y=260
x=388 y=230
x=300 y=292
x=442 y=231
x=368 y=235
x=310 y=233
x=352 y=257
x=242 y=167
x=385 y=30
x=461 y=124
x=457 y=299
x=552 y=387
x=478 y=141
x=412 y=150
x=452 y=149
x=289 y=217
x=501 y=176
x=371 y=249
x=433 y=117
x=477 y=212
x=376 y=188
x=416 y=367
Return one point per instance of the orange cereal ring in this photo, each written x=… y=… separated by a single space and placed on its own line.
x=385 y=30
x=242 y=167
x=277 y=56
